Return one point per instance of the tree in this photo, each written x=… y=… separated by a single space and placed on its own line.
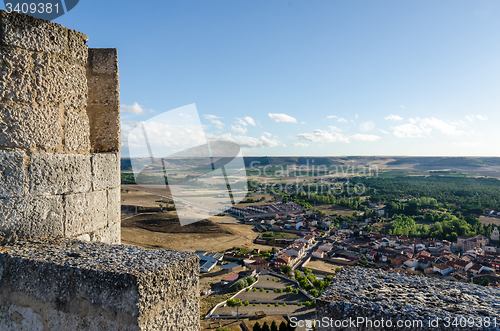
x=283 y=327
x=274 y=326
x=288 y=289
x=235 y=303
x=256 y=327
x=307 y=304
x=286 y=269
x=265 y=327
x=485 y=282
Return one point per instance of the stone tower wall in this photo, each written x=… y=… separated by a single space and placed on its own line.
x=59 y=134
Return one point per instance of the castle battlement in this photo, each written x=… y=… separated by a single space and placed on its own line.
x=60 y=178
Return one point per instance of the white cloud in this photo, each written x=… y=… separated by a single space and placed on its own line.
x=339 y=119
x=246 y=141
x=423 y=127
x=367 y=126
x=356 y=116
x=218 y=124
x=302 y=122
x=323 y=136
x=135 y=108
x=210 y=117
x=365 y=137
x=239 y=129
x=402 y=107
x=267 y=134
x=334 y=128
x=383 y=131
x=249 y=120
x=282 y=118
x=410 y=130
x=474 y=117
x=334 y=136
x=239 y=121
x=300 y=145
x=393 y=118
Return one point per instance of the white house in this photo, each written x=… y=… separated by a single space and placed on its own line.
x=412 y=263
x=318 y=253
x=442 y=269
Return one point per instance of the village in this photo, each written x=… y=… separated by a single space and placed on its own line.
x=307 y=248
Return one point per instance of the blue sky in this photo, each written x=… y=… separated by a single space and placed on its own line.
x=311 y=78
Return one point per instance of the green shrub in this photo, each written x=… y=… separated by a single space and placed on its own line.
x=277 y=304
x=299 y=304
x=269 y=305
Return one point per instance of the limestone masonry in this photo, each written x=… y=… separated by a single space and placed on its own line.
x=59 y=134
x=68 y=285
x=375 y=294
x=61 y=267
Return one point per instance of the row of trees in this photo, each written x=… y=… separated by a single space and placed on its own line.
x=444 y=226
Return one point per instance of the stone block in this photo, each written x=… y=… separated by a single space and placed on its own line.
x=76 y=132
x=78 y=49
x=36 y=128
x=13 y=181
x=85 y=212
x=94 y=286
x=31 y=217
x=51 y=174
x=58 y=82
x=105 y=171
x=114 y=206
x=103 y=61
x=108 y=235
x=34 y=34
x=103 y=105
x=16 y=68
x=103 y=92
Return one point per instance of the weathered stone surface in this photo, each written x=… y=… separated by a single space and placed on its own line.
x=108 y=235
x=17 y=318
x=85 y=212
x=375 y=295
x=34 y=34
x=58 y=82
x=29 y=127
x=120 y=287
x=78 y=49
x=16 y=68
x=31 y=217
x=105 y=171
x=76 y=132
x=51 y=174
x=114 y=206
x=13 y=181
x=103 y=100
x=103 y=61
